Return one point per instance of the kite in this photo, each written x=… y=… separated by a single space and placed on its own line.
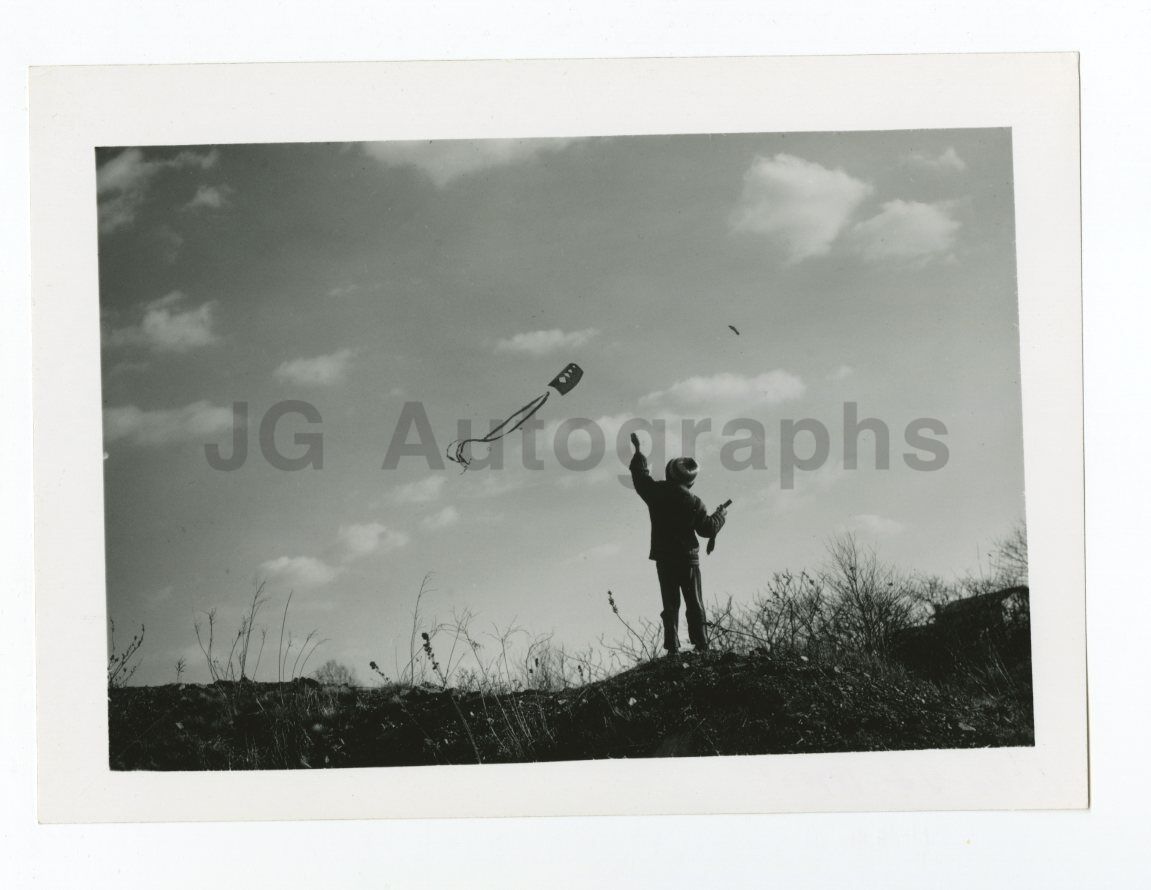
x=734 y=329
x=563 y=383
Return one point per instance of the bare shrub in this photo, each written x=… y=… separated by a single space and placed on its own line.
x=550 y=668
x=1009 y=559
x=333 y=673
x=122 y=664
x=852 y=605
x=793 y=616
x=247 y=625
x=641 y=644
x=871 y=600
x=234 y=664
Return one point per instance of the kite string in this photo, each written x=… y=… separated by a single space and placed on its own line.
x=456 y=449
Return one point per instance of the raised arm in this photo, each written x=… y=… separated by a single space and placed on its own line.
x=641 y=476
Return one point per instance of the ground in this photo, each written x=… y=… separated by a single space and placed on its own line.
x=689 y=705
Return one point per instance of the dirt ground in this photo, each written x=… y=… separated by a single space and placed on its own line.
x=690 y=705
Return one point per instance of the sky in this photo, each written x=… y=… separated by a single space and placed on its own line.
x=871 y=269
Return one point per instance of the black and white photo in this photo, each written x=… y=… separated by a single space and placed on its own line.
x=534 y=448
x=327 y=545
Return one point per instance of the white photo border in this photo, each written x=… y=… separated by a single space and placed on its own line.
x=75 y=109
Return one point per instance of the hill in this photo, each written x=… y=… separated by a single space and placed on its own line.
x=728 y=703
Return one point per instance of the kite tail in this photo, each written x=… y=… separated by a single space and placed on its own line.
x=456 y=450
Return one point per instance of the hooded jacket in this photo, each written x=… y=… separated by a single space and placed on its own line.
x=677 y=516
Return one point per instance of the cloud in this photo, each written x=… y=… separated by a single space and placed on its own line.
x=118 y=212
x=446 y=517
x=584 y=478
x=841 y=373
x=906 y=230
x=490 y=485
x=353 y=542
x=949 y=161
x=198 y=421
x=323 y=370
x=445 y=161
x=873 y=524
x=729 y=390
x=424 y=491
x=210 y=197
x=545 y=342
x=799 y=205
x=166 y=327
x=169 y=242
x=360 y=540
x=300 y=572
x=122 y=183
x=602 y=551
x=810 y=485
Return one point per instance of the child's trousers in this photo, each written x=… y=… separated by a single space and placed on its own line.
x=676 y=579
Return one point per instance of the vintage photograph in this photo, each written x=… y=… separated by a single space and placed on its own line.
x=516 y=450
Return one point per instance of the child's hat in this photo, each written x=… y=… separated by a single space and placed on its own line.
x=682 y=470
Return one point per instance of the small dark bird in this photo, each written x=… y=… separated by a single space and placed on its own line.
x=734 y=329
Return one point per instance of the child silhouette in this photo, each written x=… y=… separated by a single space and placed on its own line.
x=677 y=517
